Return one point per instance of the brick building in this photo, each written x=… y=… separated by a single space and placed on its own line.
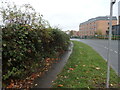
x=96 y=26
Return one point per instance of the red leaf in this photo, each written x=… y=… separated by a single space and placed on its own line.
x=60 y=85
x=71 y=69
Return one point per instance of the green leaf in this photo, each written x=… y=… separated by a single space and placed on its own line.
x=26 y=32
x=4 y=45
x=39 y=40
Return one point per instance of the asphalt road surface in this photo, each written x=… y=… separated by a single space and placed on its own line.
x=101 y=46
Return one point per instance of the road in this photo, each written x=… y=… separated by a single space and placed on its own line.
x=101 y=46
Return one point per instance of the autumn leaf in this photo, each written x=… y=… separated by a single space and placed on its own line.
x=84 y=65
x=11 y=85
x=71 y=69
x=77 y=78
x=35 y=84
x=47 y=64
x=60 y=85
x=97 y=68
x=76 y=65
x=29 y=51
x=48 y=59
x=111 y=84
x=68 y=71
x=65 y=76
x=57 y=58
x=52 y=58
x=4 y=45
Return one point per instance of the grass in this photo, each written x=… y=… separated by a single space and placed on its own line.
x=85 y=69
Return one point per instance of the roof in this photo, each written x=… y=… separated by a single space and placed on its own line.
x=99 y=18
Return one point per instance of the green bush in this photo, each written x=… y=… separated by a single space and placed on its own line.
x=27 y=41
x=60 y=39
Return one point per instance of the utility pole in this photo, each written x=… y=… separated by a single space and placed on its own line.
x=109 y=43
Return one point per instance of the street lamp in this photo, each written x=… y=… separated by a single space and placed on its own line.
x=109 y=42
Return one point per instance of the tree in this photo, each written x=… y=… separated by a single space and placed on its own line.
x=24 y=15
x=71 y=33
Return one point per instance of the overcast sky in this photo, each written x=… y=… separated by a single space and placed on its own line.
x=68 y=14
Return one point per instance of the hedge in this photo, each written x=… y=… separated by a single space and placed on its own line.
x=27 y=45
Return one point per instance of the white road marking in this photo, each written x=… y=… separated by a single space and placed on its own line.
x=105 y=47
x=115 y=51
x=111 y=50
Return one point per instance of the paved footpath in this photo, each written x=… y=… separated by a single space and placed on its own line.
x=46 y=80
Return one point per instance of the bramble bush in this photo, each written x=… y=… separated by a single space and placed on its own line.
x=27 y=39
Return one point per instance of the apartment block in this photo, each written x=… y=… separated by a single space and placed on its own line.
x=96 y=26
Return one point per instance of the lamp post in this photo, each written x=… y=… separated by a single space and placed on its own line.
x=109 y=42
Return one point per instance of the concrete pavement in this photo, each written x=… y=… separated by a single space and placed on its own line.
x=46 y=80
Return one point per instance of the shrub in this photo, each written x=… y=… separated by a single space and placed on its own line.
x=28 y=40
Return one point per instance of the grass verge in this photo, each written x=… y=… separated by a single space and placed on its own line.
x=85 y=69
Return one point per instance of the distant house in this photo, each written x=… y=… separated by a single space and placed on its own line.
x=73 y=33
x=76 y=33
x=96 y=26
